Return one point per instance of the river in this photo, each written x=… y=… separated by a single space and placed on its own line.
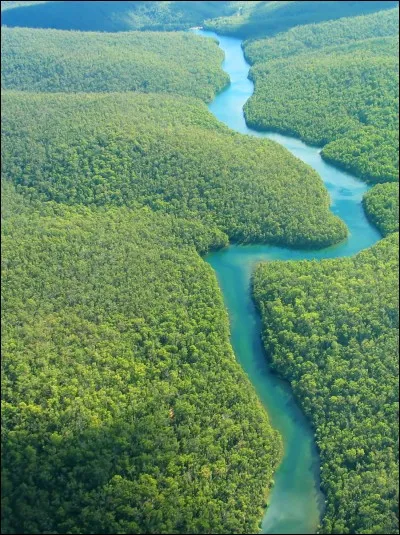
x=296 y=503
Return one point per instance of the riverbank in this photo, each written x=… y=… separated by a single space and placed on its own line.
x=295 y=503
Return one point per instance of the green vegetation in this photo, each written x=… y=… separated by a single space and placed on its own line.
x=344 y=97
x=124 y=409
x=54 y=60
x=330 y=328
x=116 y=15
x=167 y=153
x=381 y=205
x=257 y=19
x=315 y=37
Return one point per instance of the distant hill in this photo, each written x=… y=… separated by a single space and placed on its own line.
x=115 y=16
x=256 y=19
x=71 y=61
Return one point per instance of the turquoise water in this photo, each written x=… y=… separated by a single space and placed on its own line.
x=295 y=503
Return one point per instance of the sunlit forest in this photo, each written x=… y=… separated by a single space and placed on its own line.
x=381 y=205
x=345 y=96
x=331 y=328
x=121 y=396
x=58 y=61
x=125 y=408
x=166 y=153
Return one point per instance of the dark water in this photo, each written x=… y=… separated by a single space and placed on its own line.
x=295 y=503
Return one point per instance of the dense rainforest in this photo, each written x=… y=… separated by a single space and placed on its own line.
x=124 y=410
x=255 y=19
x=115 y=16
x=331 y=328
x=238 y=18
x=344 y=97
x=381 y=205
x=167 y=153
x=54 y=60
x=315 y=37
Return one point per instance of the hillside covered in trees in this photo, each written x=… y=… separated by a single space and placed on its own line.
x=53 y=60
x=331 y=328
x=255 y=19
x=241 y=19
x=169 y=154
x=316 y=37
x=115 y=16
x=124 y=410
x=381 y=205
x=344 y=97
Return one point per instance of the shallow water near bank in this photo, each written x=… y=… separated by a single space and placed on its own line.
x=295 y=504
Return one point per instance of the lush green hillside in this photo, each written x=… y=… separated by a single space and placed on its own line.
x=114 y=16
x=344 y=97
x=256 y=19
x=330 y=328
x=54 y=60
x=381 y=204
x=315 y=37
x=124 y=409
x=165 y=152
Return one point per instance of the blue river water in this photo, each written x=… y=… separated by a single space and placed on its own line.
x=295 y=503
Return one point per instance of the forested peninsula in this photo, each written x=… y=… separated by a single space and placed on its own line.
x=124 y=409
x=343 y=97
x=66 y=61
x=167 y=153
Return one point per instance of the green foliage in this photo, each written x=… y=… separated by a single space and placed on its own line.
x=256 y=19
x=124 y=409
x=370 y=153
x=344 y=97
x=167 y=153
x=54 y=60
x=115 y=16
x=381 y=205
x=330 y=328
x=316 y=37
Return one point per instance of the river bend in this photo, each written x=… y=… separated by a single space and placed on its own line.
x=295 y=504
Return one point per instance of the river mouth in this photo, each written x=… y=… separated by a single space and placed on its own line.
x=296 y=503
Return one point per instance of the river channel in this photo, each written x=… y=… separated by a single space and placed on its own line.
x=295 y=504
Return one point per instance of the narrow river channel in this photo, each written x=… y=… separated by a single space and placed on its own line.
x=295 y=503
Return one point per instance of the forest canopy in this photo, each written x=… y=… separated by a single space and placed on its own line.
x=381 y=205
x=115 y=16
x=330 y=327
x=168 y=153
x=58 y=61
x=315 y=37
x=124 y=409
x=344 y=98
x=254 y=19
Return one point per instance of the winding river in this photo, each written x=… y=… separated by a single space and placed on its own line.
x=295 y=504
